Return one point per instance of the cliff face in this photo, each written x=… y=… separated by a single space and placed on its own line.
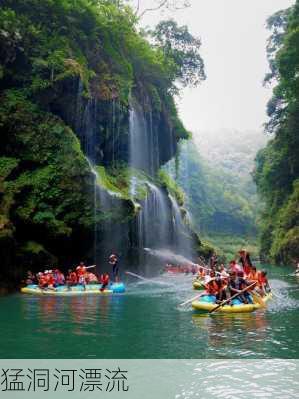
x=86 y=121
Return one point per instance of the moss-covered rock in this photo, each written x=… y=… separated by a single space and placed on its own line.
x=45 y=179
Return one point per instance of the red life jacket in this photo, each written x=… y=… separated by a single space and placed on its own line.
x=43 y=281
x=50 y=279
x=104 y=278
x=247 y=268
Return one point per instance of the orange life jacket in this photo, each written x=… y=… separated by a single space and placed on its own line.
x=201 y=274
x=262 y=280
x=212 y=288
x=81 y=270
x=253 y=276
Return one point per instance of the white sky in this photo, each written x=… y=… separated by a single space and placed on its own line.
x=234 y=38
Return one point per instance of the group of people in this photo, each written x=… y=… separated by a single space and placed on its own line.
x=51 y=279
x=224 y=282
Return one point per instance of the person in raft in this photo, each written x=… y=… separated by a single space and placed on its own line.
x=263 y=283
x=71 y=279
x=104 y=280
x=31 y=278
x=81 y=271
x=245 y=261
x=113 y=260
x=236 y=284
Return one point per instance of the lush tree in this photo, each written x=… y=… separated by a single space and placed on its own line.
x=277 y=168
x=182 y=48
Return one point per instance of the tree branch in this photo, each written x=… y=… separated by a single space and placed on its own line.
x=158 y=7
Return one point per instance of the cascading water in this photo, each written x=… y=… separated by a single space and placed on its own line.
x=87 y=129
x=159 y=221
x=181 y=238
x=153 y=219
x=177 y=221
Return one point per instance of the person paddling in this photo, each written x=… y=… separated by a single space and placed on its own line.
x=42 y=281
x=263 y=283
x=237 y=285
x=31 y=278
x=81 y=271
x=104 y=280
x=71 y=279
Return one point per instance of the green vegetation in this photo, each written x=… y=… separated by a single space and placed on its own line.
x=117 y=181
x=62 y=63
x=45 y=181
x=277 y=166
x=172 y=187
x=227 y=246
x=218 y=202
x=182 y=52
x=221 y=200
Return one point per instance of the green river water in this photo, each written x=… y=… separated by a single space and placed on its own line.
x=146 y=322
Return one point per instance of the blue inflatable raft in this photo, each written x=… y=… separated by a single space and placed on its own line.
x=95 y=289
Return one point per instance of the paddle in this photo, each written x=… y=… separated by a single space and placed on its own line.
x=258 y=299
x=234 y=296
x=190 y=300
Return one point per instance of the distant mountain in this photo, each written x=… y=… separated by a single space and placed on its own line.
x=233 y=151
x=215 y=172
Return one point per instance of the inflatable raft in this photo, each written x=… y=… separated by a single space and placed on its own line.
x=114 y=288
x=207 y=303
x=198 y=284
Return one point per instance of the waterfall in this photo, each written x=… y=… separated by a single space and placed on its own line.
x=177 y=222
x=154 y=219
x=87 y=129
x=159 y=222
x=95 y=207
x=152 y=224
x=181 y=237
x=143 y=141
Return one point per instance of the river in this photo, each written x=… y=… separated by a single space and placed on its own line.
x=147 y=322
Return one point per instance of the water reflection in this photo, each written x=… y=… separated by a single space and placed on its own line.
x=85 y=314
x=246 y=331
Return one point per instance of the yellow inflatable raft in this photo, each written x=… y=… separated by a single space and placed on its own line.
x=198 y=284
x=203 y=306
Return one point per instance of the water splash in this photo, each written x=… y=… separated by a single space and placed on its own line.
x=169 y=256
